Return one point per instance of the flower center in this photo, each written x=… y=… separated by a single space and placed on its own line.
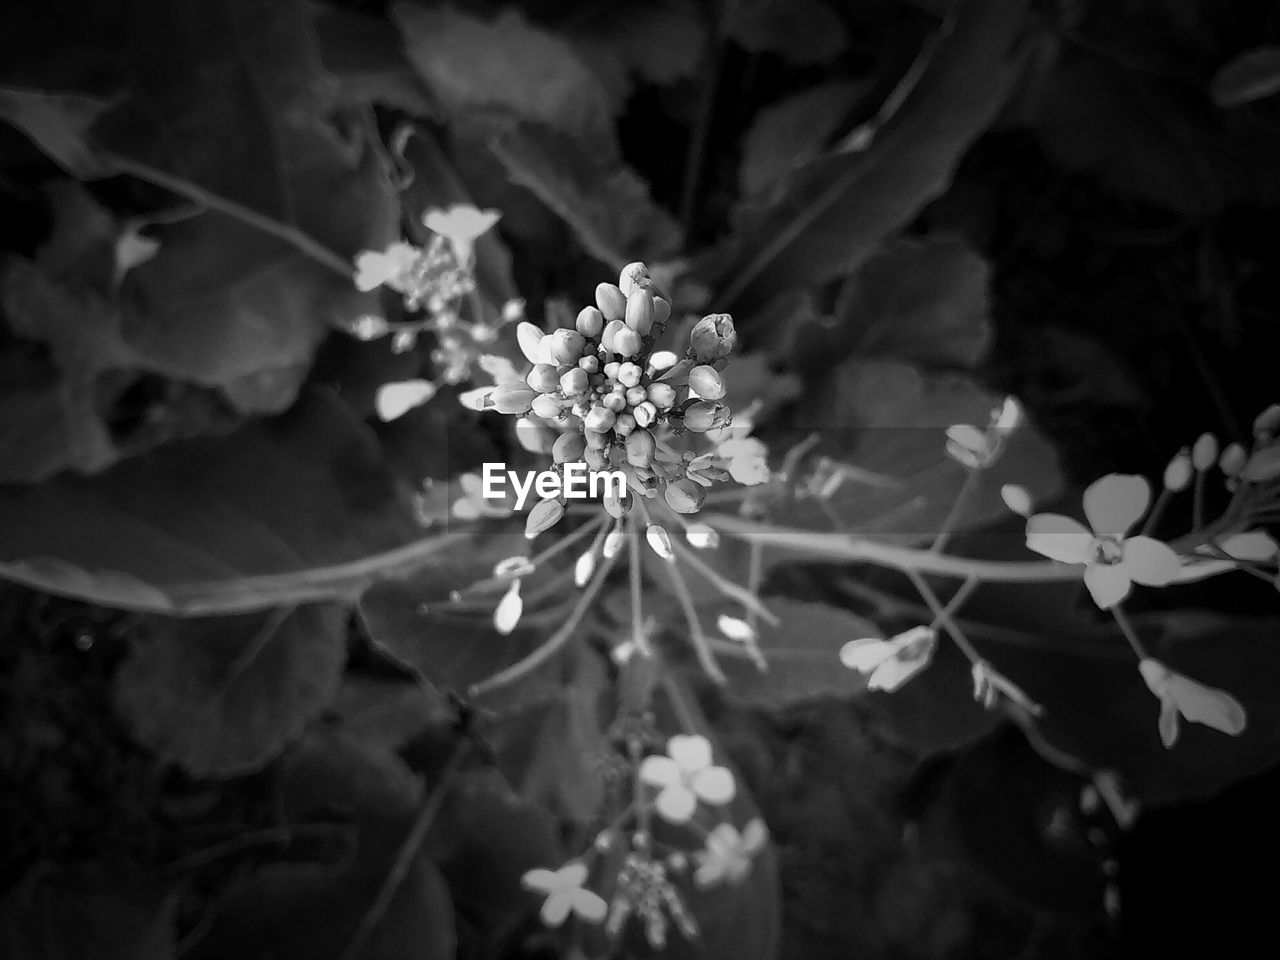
x=1108 y=550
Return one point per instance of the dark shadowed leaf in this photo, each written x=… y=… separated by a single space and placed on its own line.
x=388 y=713
x=296 y=508
x=802 y=652
x=222 y=696
x=59 y=123
x=1250 y=76
x=789 y=133
x=366 y=56
x=604 y=202
x=843 y=206
x=57 y=914
x=802 y=31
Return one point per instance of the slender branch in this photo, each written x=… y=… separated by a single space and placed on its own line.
x=696 y=637
x=404 y=859
x=300 y=241
x=1122 y=621
x=972 y=478
x=749 y=600
x=942 y=615
x=633 y=554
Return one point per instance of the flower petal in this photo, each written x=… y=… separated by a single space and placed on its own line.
x=676 y=804
x=754 y=836
x=394 y=400
x=660 y=771
x=1108 y=583
x=541 y=880
x=866 y=654
x=571 y=875
x=1059 y=538
x=691 y=751
x=1150 y=562
x=714 y=785
x=588 y=905
x=893 y=673
x=1116 y=502
x=555 y=909
x=1254 y=545
x=1208 y=705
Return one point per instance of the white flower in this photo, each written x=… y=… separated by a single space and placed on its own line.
x=748 y=460
x=1183 y=696
x=1113 y=562
x=728 y=853
x=461 y=224
x=889 y=664
x=565 y=894
x=473 y=504
x=390 y=266
x=979 y=449
x=1253 y=546
x=394 y=400
x=685 y=776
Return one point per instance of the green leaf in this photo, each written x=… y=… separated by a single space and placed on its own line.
x=503 y=66
x=223 y=696
x=603 y=201
x=803 y=656
x=281 y=511
x=59 y=124
x=843 y=205
x=1254 y=75
x=366 y=57
x=791 y=132
x=57 y=914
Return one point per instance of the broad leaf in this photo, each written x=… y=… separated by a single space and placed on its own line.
x=223 y=696
x=1251 y=76
x=59 y=123
x=297 y=508
x=790 y=133
x=802 y=654
x=843 y=206
x=802 y=31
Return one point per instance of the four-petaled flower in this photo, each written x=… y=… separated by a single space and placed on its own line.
x=565 y=894
x=1113 y=562
x=685 y=776
x=889 y=664
x=1183 y=696
x=461 y=224
x=390 y=266
x=728 y=853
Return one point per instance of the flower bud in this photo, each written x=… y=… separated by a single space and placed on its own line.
x=702 y=536
x=610 y=370
x=1178 y=473
x=1016 y=498
x=632 y=275
x=1267 y=422
x=1264 y=465
x=547 y=406
x=712 y=338
x=639 y=315
x=614 y=505
x=568 y=448
x=644 y=413
x=629 y=374
x=705 y=381
x=507 y=614
x=640 y=448
x=543 y=378
x=583 y=568
x=590 y=364
x=617 y=402
x=659 y=542
x=1232 y=460
x=545 y=515
x=636 y=396
x=684 y=496
x=611 y=301
x=600 y=419
x=530 y=339
x=574 y=382
x=661 y=311
x=567 y=346
x=595 y=458
x=662 y=360
x=590 y=322
x=662 y=395
x=705 y=415
x=512 y=398
x=531 y=435
x=613 y=542
x=626 y=343
x=624 y=424
x=610 y=332
x=1205 y=452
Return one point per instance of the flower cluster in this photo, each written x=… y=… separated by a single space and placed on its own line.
x=617 y=402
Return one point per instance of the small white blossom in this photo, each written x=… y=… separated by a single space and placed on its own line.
x=1182 y=696
x=391 y=266
x=565 y=894
x=461 y=224
x=394 y=400
x=727 y=855
x=888 y=664
x=686 y=775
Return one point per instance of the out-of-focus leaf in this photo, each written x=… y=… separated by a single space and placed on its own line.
x=1154 y=139
x=606 y=204
x=388 y=713
x=60 y=915
x=59 y=123
x=222 y=696
x=791 y=132
x=802 y=31
x=366 y=57
x=1251 y=76
x=503 y=66
x=843 y=206
x=658 y=43
x=802 y=653
x=44 y=427
x=921 y=301
x=281 y=511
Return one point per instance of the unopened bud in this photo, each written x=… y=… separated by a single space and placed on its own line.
x=632 y=275
x=624 y=424
x=567 y=346
x=712 y=338
x=600 y=419
x=609 y=333
x=583 y=568
x=705 y=381
x=626 y=343
x=543 y=378
x=684 y=496
x=512 y=398
x=629 y=374
x=568 y=448
x=531 y=435
x=1178 y=473
x=574 y=382
x=507 y=614
x=661 y=311
x=662 y=395
x=590 y=322
x=545 y=515
x=612 y=544
x=659 y=542
x=1232 y=460
x=1016 y=498
x=611 y=302
x=1264 y=465
x=705 y=415
x=639 y=315
x=547 y=407
x=645 y=413
x=640 y=448
x=702 y=536
x=530 y=339
x=1205 y=452
x=1267 y=422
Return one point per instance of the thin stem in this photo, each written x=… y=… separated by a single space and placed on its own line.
x=564 y=543
x=1122 y=621
x=685 y=714
x=725 y=586
x=706 y=112
x=557 y=640
x=755 y=577
x=1162 y=501
x=967 y=489
x=633 y=552
x=282 y=231
x=696 y=637
x=942 y=615
x=405 y=858
x=1197 y=501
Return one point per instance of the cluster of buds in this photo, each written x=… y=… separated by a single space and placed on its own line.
x=615 y=402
